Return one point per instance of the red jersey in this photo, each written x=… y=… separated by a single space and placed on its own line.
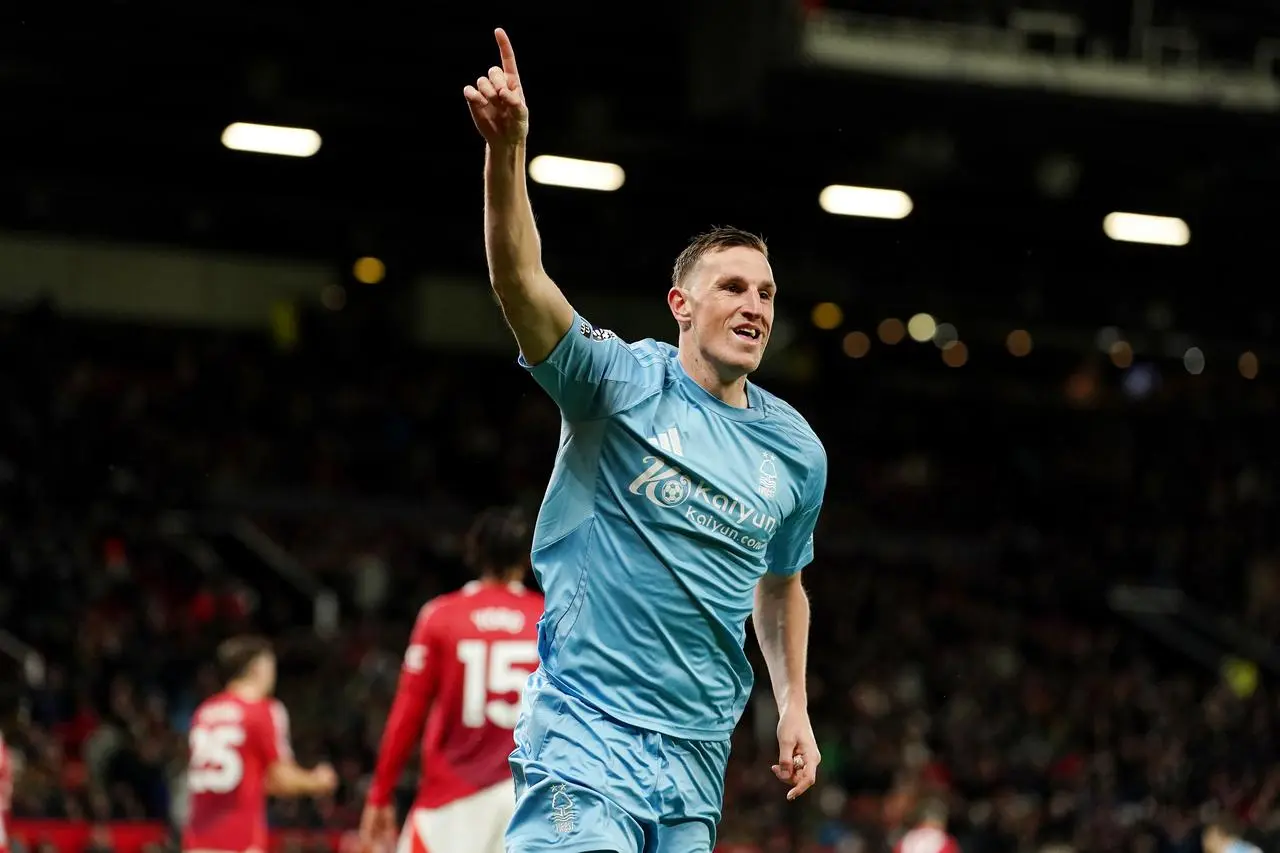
x=6 y=794
x=469 y=656
x=233 y=743
x=926 y=839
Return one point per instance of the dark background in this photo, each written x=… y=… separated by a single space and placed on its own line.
x=969 y=642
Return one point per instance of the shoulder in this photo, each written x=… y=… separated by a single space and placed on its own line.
x=278 y=713
x=443 y=613
x=222 y=707
x=650 y=355
x=521 y=594
x=647 y=352
x=653 y=350
x=793 y=428
x=442 y=605
x=438 y=610
x=531 y=601
x=268 y=715
x=433 y=619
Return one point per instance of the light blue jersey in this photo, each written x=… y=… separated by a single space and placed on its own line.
x=665 y=508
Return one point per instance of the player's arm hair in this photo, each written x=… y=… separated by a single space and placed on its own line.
x=781 y=618
x=535 y=308
x=285 y=778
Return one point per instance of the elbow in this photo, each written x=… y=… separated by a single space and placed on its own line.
x=515 y=282
x=775 y=586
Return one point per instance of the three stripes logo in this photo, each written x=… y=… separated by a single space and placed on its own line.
x=663 y=484
x=669 y=441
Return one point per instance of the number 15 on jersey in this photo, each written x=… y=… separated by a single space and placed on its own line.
x=494 y=669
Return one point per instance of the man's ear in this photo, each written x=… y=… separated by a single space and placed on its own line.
x=678 y=301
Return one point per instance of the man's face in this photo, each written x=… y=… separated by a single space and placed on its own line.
x=727 y=305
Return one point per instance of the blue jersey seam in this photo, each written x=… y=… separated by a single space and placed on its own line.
x=801 y=510
x=613 y=413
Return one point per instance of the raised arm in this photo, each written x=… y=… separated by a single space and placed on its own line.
x=536 y=310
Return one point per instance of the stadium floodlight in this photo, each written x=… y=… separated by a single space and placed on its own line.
x=1142 y=228
x=270 y=139
x=576 y=174
x=866 y=202
x=922 y=327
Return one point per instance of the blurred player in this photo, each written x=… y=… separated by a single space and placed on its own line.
x=1223 y=835
x=682 y=495
x=929 y=833
x=468 y=659
x=240 y=754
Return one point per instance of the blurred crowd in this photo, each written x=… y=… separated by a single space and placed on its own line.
x=963 y=646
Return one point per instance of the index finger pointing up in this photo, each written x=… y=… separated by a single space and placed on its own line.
x=508 y=57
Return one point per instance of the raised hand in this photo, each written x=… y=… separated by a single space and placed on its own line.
x=497 y=101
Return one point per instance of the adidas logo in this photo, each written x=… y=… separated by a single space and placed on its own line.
x=669 y=441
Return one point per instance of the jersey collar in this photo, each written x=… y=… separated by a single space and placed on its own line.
x=756 y=407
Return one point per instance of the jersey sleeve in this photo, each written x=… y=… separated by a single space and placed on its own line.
x=593 y=374
x=419 y=681
x=791 y=548
x=274 y=738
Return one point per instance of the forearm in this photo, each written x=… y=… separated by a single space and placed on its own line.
x=536 y=310
x=781 y=620
x=286 y=779
x=511 y=241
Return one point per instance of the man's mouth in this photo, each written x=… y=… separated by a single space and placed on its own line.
x=751 y=333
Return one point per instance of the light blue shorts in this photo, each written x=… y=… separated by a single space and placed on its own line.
x=587 y=783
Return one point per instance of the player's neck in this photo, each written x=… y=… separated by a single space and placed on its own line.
x=246 y=690
x=494 y=580
x=732 y=391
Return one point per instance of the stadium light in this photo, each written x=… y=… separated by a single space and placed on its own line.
x=827 y=315
x=1141 y=228
x=270 y=139
x=921 y=328
x=865 y=201
x=1248 y=365
x=577 y=174
x=369 y=270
